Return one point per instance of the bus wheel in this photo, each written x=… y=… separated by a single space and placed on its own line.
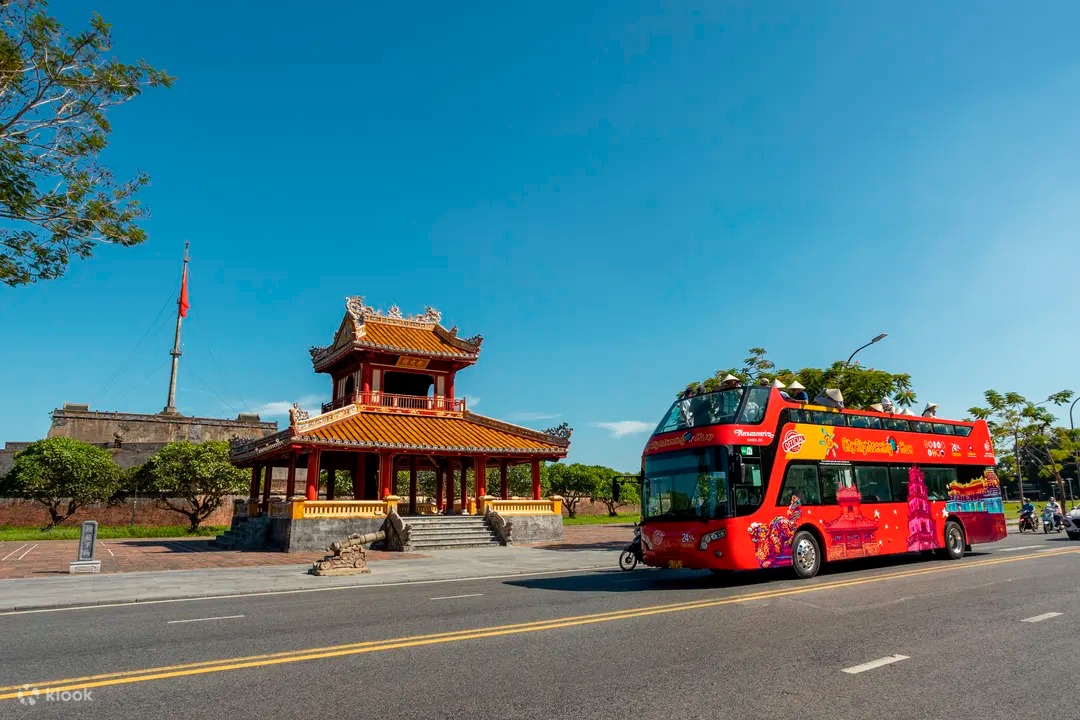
x=805 y=554
x=954 y=541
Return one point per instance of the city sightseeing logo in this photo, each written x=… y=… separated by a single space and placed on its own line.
x=29 y=695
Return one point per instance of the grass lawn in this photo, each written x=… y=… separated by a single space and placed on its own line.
x=601 y=519
x=107 y=532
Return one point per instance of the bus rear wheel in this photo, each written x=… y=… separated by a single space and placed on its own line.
x=954 y=541
x=805 y=554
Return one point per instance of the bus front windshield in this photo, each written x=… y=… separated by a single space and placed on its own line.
x=687 y=484
x=716 y=408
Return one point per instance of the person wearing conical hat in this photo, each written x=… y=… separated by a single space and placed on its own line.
x=730 y=382
x=798 y=392
x=930 y=410
x=877 y=407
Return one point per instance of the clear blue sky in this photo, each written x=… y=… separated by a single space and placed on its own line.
x=621 y=197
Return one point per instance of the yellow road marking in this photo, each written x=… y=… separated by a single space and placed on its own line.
x=264 y=660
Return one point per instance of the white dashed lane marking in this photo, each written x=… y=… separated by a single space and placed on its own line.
x=873 y=664
x=220 y=617
x=1040 y=618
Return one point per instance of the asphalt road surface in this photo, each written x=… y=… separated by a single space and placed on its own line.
x=990 y=636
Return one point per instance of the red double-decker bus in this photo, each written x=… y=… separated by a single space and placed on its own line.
x=746 y=478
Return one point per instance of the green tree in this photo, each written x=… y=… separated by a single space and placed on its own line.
x=1018 y=426
x=57 y=199
x=193 y=479
x=577 y=482
x=860 y=386
x=605 y=491
x=64 y=475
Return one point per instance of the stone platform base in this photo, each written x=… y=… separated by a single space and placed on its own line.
x=315 y=534
x=527 y=529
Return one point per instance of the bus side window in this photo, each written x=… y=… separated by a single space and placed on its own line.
x=938 y=480
x=962 y=430
x=801 y=480
x=898 y=475
x=873 y=483
x=834 y=477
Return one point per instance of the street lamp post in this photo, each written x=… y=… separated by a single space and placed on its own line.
x=1071 y=426
x=879 y=338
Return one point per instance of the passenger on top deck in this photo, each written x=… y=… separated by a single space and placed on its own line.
x=798 y=392
x=730 y=382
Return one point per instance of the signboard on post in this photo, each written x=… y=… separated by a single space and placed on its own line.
x=87 y=541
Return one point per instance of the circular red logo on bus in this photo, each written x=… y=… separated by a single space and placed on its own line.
x=793 y=441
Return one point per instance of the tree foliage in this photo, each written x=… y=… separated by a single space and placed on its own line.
x=63 y=474
x=860 y=386
x=1023 y=432
x=57 y=199
x=577 y=482
x=605 y=492
x=192 y=479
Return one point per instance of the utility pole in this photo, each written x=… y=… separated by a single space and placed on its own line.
x=181 y=312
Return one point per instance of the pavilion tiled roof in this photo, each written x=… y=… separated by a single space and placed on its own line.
x=402 y=338
x=366 y=328
x=464 y=432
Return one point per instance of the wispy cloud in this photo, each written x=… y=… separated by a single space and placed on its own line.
x=534 y=416
x=622 y=428
x=280 y=408
x=471 y=401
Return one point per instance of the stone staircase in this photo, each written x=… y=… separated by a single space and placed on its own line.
x=244 y=534
x=441 y=532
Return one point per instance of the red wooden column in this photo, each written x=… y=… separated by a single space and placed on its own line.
x=267 y=482
x=386 y=474
x=331 y=478
x=313 y=474
x=504 y=481
x=464 y=488
x=290 y=485
x=358 y=476
x=481 y=476
x=438 y=487
x=536 y=479
x=412 y=485
x=449 y=487
x=253 y=491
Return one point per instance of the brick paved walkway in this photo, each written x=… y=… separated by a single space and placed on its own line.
x=19 y=559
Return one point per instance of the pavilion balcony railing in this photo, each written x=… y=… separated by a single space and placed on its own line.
x=394 y=400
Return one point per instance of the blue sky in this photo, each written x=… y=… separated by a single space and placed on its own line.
x=621 y=197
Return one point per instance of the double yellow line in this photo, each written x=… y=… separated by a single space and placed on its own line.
x=332 y=651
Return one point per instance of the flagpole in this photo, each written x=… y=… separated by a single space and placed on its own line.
x=170 y=407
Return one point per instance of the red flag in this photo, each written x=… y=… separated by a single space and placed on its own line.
x=184 y=304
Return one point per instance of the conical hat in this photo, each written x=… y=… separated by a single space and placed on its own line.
x=835 y=394
x=729 y=377
x=906 y=411
x=778 y=384
x=796 y=385
x=929 y=406
x=877 y=406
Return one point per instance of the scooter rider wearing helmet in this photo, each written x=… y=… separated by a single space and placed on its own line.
x=1027 y=513
x=1055 y=509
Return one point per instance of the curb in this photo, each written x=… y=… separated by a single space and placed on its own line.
x=286 y=590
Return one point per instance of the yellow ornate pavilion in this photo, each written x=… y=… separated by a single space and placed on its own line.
x=393 y=409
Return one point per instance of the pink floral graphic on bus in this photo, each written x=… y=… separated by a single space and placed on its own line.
x=772 y=542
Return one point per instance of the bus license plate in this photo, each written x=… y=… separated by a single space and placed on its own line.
x=674 y=564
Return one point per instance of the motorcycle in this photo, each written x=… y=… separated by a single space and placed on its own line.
x=1051 y=522
x=1028 y=521
x=632 y=555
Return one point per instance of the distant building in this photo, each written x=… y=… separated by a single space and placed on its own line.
x=132 y=438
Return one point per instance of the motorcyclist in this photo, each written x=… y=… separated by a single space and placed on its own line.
x=1055 y=510
x=1027 y=511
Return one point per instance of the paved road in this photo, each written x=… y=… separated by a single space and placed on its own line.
x=651 y=644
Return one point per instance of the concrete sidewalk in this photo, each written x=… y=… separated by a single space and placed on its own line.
x=79 y=590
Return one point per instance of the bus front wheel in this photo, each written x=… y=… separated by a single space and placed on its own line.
x=805 y=554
